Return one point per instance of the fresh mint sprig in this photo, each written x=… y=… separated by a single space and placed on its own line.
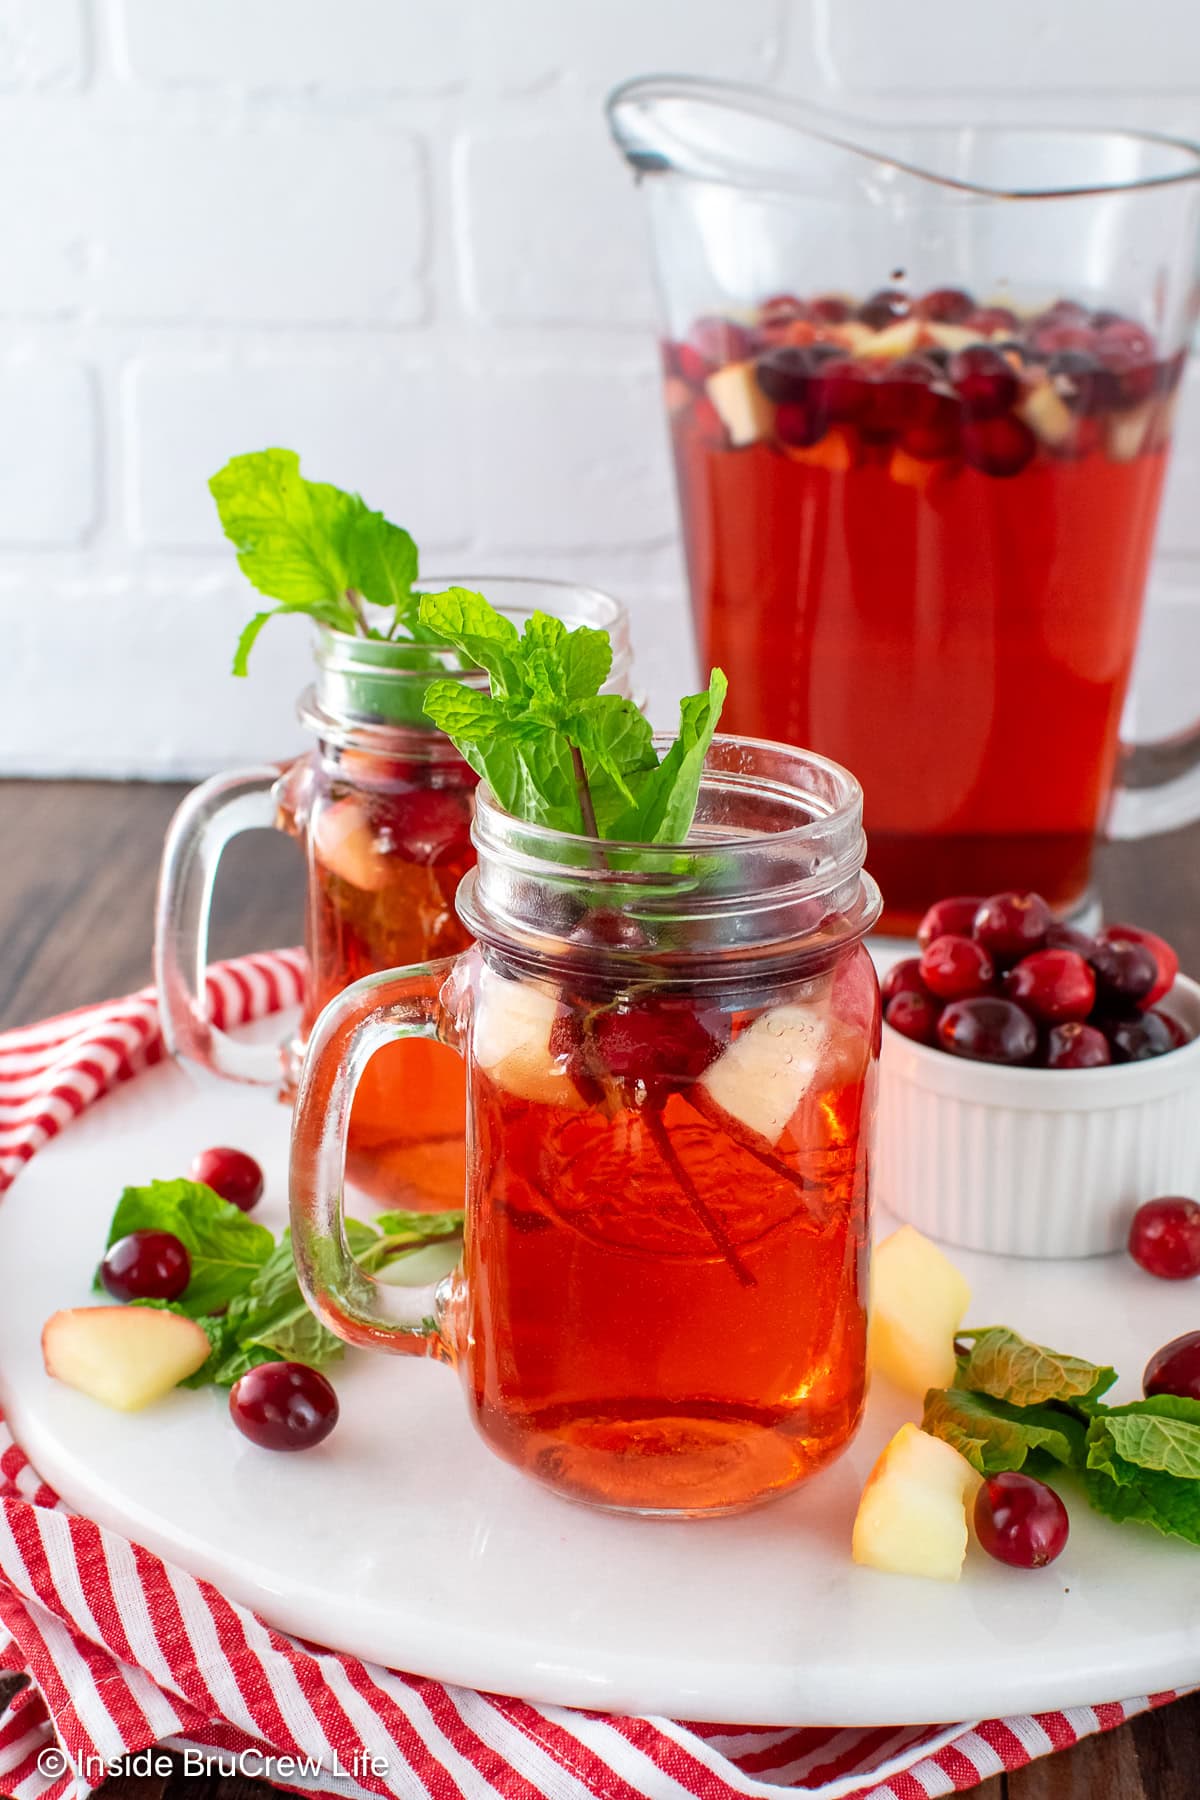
x=554 y=750
x=316 y=549
x=1015 y=1403
x=243 y=1290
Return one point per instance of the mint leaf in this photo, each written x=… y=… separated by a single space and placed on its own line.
x=1143 y=1464
x=486 y=637
x=553 y=749
x=667 y=801
x=381 y=563
x=1161 y=1433
x=994 y=1435
x=290 y=534
x=1007 y=1366
x=225 y=1247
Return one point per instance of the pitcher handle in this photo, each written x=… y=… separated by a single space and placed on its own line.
x=1158 y=787
x=212 y=814
x=378 y=1010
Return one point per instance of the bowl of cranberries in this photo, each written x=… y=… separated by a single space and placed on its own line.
x=1038 y=1082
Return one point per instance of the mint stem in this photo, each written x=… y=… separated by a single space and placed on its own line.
x=355 y=601
x=716 y=1231
x=585 y=793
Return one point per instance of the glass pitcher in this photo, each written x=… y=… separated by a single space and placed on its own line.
x=921 y=385
x=670 y=1060
x=383 y=807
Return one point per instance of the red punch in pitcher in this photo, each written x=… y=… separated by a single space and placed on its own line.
x=921 y=386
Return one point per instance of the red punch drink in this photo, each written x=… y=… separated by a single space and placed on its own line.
x=917 y=538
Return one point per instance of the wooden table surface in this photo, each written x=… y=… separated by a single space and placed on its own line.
x=76 y=900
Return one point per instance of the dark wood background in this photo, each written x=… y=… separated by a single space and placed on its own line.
x=76 y=901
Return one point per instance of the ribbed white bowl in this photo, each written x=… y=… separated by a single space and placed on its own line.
x=1036 y=1162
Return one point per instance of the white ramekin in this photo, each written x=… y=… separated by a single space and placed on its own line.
x=1036 y=1162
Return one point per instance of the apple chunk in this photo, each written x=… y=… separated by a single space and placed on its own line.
x=123 y=1356
x=762 y=1077
x=513 y=1024
x=918 y=1301
x=744 y=409
x=345 y=845
x=912 y=1517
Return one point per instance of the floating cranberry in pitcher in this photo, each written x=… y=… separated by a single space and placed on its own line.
x=884 y=307
x=945 y=306
x=1000 y=446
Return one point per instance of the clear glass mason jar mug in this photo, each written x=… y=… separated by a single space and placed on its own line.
x=383 y=807
x=670 y=1054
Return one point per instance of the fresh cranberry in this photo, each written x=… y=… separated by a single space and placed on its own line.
x=146 y=1265
x=953 y=968
x=904 y=977
x=1126 y=379
x=660 y=1040
x=1013 y=924
x=1166 y=963
x=1077 y=379
x=1175 y=1369
x=986 y=384
x=945 y=306
x=952 y=917
x=1164 y=1238
x=428 y=826
x=990 y=319
x=780 y=310
x=798 y=425
x=998 y=446
x=941 y=438
x=914 y=1016
x=884 y=307
x=1137 y=1038
x=1076 y=1046
x=844 y=390
x=988 y=1030
x=907 y=396
x=720 y=341
x=786 y=373
x=1054 y=985
x=230 y=1173
x=1056 y=339
x=1125 y=972
x=1020 y=1521
x=829 y=309
x=283 y=1406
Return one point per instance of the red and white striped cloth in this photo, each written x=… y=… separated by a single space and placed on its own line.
x=125 y=1652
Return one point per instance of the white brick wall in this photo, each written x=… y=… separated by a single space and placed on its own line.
x=393 y=234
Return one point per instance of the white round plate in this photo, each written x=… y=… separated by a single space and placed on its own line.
x=402 y=1539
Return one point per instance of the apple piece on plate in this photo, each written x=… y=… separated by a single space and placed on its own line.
x=123 y=1356
x=912 y=1517
x=918 y=1301
x=744 y=409
x=513 y=1024
x=1047 y=415
x=766 y=1071
x=345 y=845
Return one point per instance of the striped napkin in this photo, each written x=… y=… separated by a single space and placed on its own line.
x=124 y=1652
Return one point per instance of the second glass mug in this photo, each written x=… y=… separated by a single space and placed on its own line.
x=661 y=1305
x=383 y=808
x=921 y=385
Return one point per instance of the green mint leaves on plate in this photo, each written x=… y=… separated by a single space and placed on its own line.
x=315 y=549
x=554 y=750
x=1015 y=1403
x=243 y=1290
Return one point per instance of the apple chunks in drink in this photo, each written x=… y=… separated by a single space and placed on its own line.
x=389 y=843
x=676 y=1168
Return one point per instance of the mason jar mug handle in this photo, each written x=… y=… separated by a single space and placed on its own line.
x=212 y=814
x=378 y=1010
